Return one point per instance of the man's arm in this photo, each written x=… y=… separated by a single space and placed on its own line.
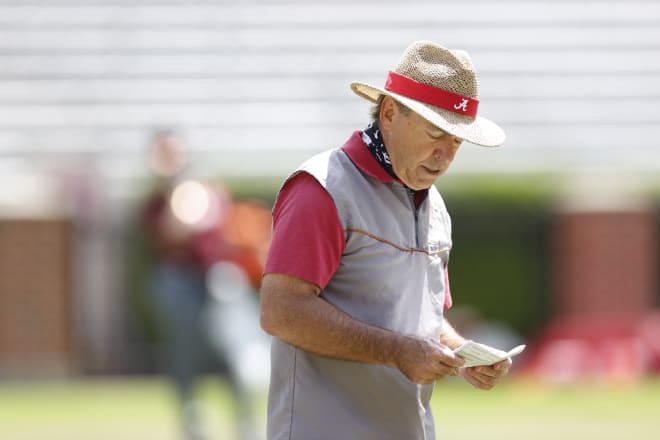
x=450 y=337
x=292 y=310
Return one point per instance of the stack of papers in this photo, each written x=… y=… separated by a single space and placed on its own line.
x=476 y=354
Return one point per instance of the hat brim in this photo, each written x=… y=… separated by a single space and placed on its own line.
x=479 y=130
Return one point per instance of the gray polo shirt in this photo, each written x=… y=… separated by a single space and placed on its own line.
x=391 y=275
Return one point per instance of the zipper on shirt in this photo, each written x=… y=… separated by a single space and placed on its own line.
x=411 y=196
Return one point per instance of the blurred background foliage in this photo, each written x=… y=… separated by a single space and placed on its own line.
x=498 y=263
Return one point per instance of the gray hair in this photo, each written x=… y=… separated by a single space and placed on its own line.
x=375 y=109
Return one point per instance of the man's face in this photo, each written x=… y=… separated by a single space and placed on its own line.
x=419 y=151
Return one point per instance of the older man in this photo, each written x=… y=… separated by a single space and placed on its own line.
x=356 y=284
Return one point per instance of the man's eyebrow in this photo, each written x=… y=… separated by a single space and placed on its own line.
x=436 y=132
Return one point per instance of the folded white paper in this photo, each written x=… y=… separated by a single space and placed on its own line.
x=476 y=354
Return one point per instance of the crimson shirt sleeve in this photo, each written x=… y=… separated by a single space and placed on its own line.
x=308 y=237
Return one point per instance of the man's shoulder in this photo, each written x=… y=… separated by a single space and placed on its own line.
x=319 y=159
x=320 y=165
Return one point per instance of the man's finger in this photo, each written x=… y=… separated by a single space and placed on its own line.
x=489 y=371
x=478 y=380
x=448 y=357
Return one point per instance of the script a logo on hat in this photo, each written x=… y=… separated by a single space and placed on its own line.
x=462 y=105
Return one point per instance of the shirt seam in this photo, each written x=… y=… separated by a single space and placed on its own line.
x=396 y=246
x=293 y=391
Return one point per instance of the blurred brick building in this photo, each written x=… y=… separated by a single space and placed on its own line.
x=36 y=297
x=605 y=318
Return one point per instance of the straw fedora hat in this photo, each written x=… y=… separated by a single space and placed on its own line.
x=440 y=85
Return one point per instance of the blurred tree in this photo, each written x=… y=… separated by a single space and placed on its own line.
x=498 y=263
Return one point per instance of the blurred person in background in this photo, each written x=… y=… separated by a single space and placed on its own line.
x=355 y=283
x=202 y=272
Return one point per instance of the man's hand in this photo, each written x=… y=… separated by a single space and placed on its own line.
x=485 y=377
x=424 y=361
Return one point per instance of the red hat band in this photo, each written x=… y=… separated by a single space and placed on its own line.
x=403 y=85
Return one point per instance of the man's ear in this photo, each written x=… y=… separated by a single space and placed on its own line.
x=388 y=110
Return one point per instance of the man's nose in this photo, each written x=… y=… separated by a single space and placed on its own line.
x=445 y=149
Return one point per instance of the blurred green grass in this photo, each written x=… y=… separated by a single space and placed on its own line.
x=521 y=409
x=111 y=408
x=123 y=408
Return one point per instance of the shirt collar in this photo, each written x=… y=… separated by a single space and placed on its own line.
x=360 y=155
